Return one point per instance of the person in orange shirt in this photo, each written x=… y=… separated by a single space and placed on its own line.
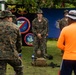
x=68 y=37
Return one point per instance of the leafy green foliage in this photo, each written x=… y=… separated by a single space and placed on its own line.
x=33 y=5
x=69 y=5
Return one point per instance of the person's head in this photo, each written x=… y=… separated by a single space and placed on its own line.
x=7 y=15
x=65 y=12
x=71 y=16
x=39 y=13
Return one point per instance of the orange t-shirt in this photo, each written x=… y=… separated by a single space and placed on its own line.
x=68 y=35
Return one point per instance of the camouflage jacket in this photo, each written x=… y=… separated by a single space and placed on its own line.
x=63 y=23
x=10 y=40
x=40 y=27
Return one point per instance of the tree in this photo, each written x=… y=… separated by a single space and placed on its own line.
x=33 y=5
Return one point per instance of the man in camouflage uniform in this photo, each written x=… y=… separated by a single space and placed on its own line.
x=10 y=44
x=40 y=30
x=63 y=22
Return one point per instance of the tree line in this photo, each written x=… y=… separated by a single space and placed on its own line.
x=33 y=5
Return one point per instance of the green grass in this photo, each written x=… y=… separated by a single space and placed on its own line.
x=32 y=70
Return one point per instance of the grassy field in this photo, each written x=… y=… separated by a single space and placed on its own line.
x=32 y=70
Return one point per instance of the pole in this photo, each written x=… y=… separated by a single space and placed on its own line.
x=2 y=4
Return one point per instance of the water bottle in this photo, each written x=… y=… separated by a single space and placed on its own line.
x=20 y=55
x=33 y=57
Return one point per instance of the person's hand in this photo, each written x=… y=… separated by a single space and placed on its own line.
x=39 y=35
x=46 y=34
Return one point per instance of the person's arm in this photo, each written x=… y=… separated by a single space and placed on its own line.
x=45 y=30
x=61 y=40
x=61 y=24
x=19 y=42
x=34 y=30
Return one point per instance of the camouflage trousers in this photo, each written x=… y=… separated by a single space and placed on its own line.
x=15 y=63
x=40 y=44
x=46 y=46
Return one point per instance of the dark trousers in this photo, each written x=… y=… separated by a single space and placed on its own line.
x=67 y=67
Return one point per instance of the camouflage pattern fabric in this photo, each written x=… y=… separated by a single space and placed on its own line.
x=2 y=68
x=16 y=64
x=14 y=19
x=10 y=40
x=42 y=28
x=10 y=46
x=39 y=11
x=63 y=23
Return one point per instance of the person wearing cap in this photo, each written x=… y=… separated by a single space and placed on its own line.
x=10 y=44
x=67 y=35
x=13 y=17
x=40 y=32
x=63 y=22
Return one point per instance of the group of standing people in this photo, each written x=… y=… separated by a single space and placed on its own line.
x=67 y=43
x=11 y=41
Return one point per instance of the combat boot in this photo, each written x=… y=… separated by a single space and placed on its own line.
x=19 y=73
x=19 y=70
